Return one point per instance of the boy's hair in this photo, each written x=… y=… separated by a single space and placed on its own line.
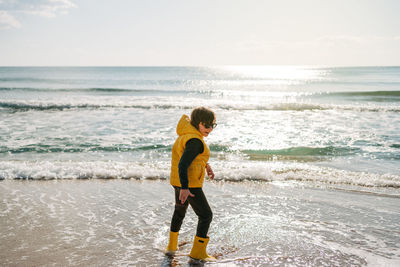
x=201 y=114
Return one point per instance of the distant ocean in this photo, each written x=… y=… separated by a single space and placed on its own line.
x=306 y=163
x=331 y=125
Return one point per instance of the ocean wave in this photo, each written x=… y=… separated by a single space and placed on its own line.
x=15 y=106
x=216 y=104
x=24 y=79
x=112 y=90
x=87 y=147
x=367 y=93
x=294 y=154
x=127 y=80
x=374 y=96
x=95 y=89
x=302 y=151
x=80 y=148
x=20 y=106
x=392 y=93
x=99 y=89
x=231 y=171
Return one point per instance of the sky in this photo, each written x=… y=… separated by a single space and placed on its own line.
x=199 y=32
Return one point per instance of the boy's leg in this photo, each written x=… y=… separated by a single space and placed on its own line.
x=179 y=212
x=202 y=209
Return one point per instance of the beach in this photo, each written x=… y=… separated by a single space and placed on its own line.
x=126 y=223
x=299 y=121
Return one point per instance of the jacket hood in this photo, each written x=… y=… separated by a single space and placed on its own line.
x=184 y=127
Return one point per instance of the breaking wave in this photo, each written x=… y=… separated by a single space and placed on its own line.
x=44 y=106
x=79 y=148
x=232 y=171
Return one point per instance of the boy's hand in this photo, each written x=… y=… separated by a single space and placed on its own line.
x=210 y=172
x=184 y=194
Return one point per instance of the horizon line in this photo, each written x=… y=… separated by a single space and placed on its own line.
x=198 y=66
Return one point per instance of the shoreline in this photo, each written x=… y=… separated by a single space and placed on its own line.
x=383 y=191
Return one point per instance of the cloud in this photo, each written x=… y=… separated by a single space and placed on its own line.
x=46 y=8
x=10 y=9
x=7 y=21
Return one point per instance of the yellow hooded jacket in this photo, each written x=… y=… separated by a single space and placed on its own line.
x=196 y=170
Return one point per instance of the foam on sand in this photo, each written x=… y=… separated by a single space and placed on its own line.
x=126 y=222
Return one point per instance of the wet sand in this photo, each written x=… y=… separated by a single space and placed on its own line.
x=126 y=223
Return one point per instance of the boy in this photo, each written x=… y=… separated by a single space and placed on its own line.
x=190 y=155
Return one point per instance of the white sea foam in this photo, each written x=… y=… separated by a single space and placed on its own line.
x=225 y=171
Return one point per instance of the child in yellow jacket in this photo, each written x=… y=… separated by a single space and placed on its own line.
x=189 y=163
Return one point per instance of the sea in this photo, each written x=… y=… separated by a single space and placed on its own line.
x=322 y=140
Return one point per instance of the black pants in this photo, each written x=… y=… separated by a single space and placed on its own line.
x=200 y=206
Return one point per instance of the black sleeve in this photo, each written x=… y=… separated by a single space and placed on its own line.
x=193 y=148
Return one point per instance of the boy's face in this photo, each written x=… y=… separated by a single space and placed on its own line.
x=205 y=131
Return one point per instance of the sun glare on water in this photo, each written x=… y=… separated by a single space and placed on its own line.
x=279 y=74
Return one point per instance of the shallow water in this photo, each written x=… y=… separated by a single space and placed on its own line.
x=126 y=222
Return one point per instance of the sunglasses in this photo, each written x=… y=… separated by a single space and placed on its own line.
x=211 y=125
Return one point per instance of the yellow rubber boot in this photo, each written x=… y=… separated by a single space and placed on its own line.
x=199 y=249
x=173 y=243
